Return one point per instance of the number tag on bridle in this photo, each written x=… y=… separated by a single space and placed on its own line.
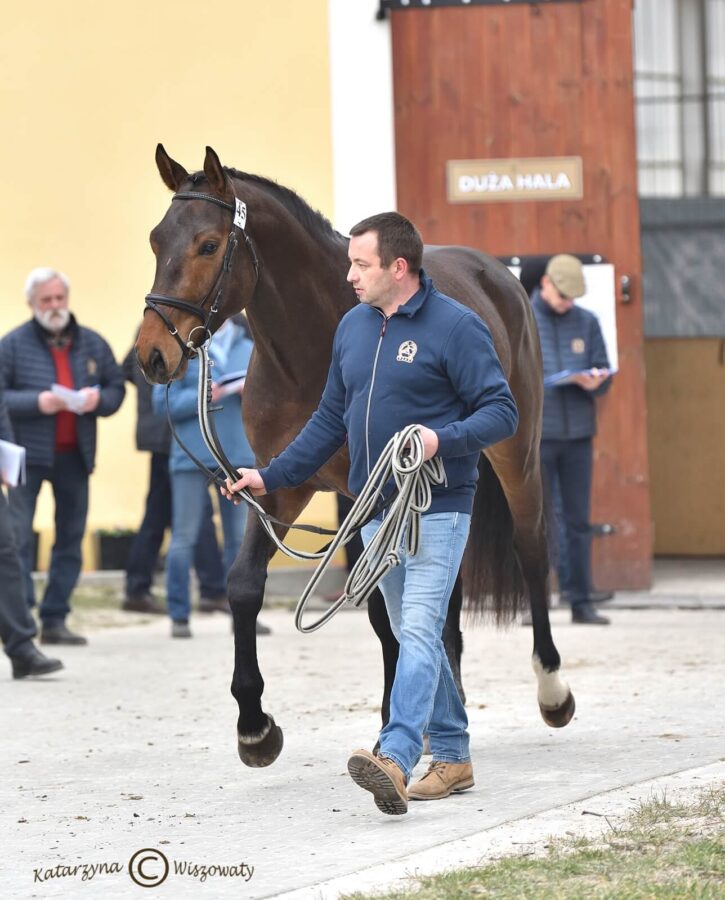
x=240 y=213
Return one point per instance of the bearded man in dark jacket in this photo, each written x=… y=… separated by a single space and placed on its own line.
x=58 y=378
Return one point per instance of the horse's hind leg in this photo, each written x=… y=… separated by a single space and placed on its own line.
x=259 y=738
x=556 y=701
x=523 y=489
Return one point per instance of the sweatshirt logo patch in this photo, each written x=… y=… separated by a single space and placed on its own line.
x=577 y=345
x=407 y=351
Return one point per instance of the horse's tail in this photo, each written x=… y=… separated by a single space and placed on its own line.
x=493 y=582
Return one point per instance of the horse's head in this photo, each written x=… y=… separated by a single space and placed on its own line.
x=206 y=267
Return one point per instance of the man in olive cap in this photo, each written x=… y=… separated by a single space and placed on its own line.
x=571 y=339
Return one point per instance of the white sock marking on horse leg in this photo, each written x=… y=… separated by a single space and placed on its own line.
x=553 y=690
x=256 y=738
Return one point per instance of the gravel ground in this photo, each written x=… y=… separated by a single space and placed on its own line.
x=133 y=747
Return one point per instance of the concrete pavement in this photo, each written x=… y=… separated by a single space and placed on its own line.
x=133 y=747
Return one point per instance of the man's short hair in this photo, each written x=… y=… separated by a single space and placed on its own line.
x=40 y=276
x=397 y=237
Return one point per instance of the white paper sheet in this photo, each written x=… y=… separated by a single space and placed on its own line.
x=74 y=400
x=12 y=463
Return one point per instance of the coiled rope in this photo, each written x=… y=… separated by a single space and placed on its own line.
x=402 y=459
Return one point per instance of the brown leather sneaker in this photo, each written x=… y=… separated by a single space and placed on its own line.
x=441 y=780
x=383 y=778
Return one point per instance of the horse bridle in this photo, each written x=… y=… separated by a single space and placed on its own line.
x=156 y=301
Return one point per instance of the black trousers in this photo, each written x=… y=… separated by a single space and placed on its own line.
x=569 y=463
x=17 y=627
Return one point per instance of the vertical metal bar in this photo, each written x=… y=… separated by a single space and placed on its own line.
x=705 y=181
x=681 y=97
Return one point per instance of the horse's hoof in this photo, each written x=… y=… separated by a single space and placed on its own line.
x=560 y=715
x=258 y=752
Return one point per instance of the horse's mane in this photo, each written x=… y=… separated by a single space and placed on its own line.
x=311 y=220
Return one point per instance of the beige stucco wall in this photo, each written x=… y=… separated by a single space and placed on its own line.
x=87 y=90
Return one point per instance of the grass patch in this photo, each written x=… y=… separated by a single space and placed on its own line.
x=658 y=850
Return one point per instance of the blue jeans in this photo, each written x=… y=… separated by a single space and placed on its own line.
x=68 y=477
x=189 y=497
x=424 y=698
x=145 y=549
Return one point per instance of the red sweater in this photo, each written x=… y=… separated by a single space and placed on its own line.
x=66 y=437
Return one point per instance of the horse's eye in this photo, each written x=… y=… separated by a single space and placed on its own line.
x=208 y=248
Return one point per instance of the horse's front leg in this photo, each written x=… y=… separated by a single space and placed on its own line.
x=259 y=739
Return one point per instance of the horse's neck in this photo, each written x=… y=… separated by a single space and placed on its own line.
x=300 y=298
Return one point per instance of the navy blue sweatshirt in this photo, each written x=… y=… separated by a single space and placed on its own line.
x=431 y=363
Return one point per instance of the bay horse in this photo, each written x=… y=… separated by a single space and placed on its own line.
x=233 y=241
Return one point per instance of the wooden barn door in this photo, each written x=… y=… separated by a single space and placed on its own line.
x=498 y=81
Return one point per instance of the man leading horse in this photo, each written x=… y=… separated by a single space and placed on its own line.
x=407 y=354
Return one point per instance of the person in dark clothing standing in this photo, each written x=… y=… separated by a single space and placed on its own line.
x=571 y=339
x=154 y=435
x=17 y=628
x=58 y=378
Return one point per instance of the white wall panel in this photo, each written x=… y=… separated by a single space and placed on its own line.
x=361 y=84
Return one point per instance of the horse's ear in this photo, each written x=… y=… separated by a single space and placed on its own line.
x=214 y=171
x=172 y=173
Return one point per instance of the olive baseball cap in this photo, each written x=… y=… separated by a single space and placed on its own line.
x=567 y=275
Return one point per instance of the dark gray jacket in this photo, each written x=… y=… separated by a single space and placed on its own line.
x=27 y=368
x=152 y=431
x=570 y=341
x=6 y=428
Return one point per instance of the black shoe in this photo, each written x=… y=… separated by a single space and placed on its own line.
x=214 y=604
x=61 y=634
x=32 y=663
x=180 y=629
x=143 y=602
x=585 y=614
x=594 y=596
